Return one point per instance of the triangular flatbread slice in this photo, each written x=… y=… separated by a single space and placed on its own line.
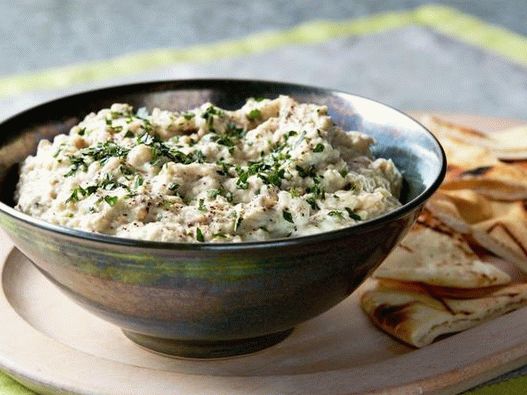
x=505 y=234
x=416 y=318
x=499 y=227
x=432 y=253
x=459 y=208
x=501 y=181
x=508 y=144
x=459 y=153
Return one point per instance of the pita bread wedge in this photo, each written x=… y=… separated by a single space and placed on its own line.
x=416 y=318
x=501 y=181
x=432 y=253
x=505 y=234
x=459 y=208
x=508 y=144
x=459 y=153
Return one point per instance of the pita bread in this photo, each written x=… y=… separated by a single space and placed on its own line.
x=460 y=154
x=508 y=144
x=435 y=254
x=505 y=234
x=499 y=227
x=501 y=181
x=459 y=208
x=413 y=316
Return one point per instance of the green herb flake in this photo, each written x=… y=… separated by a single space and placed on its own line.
x=336 y=213
x=313 y=203
x=199 y=235
x=254 y=114
x=173 y=187
x=201 y=205
x=319 y=148
x=353 y=215
x=287 y=216
x=189 y=115
x=111 y=200
x=237 y=221
x=76 y=194
x=212 y=193
x=138 y=181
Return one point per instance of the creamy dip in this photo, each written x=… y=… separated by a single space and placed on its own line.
x=272 y=169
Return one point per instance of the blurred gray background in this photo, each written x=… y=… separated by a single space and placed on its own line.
x=410 y=68
x=45 y=33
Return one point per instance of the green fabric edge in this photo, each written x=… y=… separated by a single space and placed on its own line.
x=8 y=386
x=443 y=19
x=514 y=386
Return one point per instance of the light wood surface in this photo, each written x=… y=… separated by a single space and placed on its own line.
x=51 y=345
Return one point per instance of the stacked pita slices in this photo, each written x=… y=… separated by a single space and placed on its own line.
x=441 y=278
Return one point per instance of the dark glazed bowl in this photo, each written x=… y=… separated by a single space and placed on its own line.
x=213 y=300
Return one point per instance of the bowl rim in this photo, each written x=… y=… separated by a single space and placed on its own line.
x=280 y=242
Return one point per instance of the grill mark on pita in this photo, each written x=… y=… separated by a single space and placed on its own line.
x=391 y=316
x=436 y=228
x=406 y=248
x=430 y=291
x=477 y=171
x=510 y=234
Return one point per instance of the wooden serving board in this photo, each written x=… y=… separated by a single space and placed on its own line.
x=52 y=345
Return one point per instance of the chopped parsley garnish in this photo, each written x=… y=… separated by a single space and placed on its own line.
x=313 y=203
x=129 y=134
x=173 y=187
x=319 y=148
x=209 y=114
x=189 y=115
x=199 y=235
x=161 y=152
x=254 y=114
x=201 y=205
x=353 y=215
x=336 y=213
x=243 y=176
x=287 y=216
x=290 y=133
x=76 y=194
x=111 y=200
x=212 y=193
x=82 y=131
x=317 y=190
x=237 y=221
x=138 y=181
x=343 y=172
x=310 y=172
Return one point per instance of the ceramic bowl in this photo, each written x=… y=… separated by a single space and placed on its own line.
x=215 y=300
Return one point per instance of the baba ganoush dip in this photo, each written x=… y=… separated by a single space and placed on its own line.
x=272 y=169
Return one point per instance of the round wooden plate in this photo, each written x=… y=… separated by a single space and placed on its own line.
x=51 y=345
